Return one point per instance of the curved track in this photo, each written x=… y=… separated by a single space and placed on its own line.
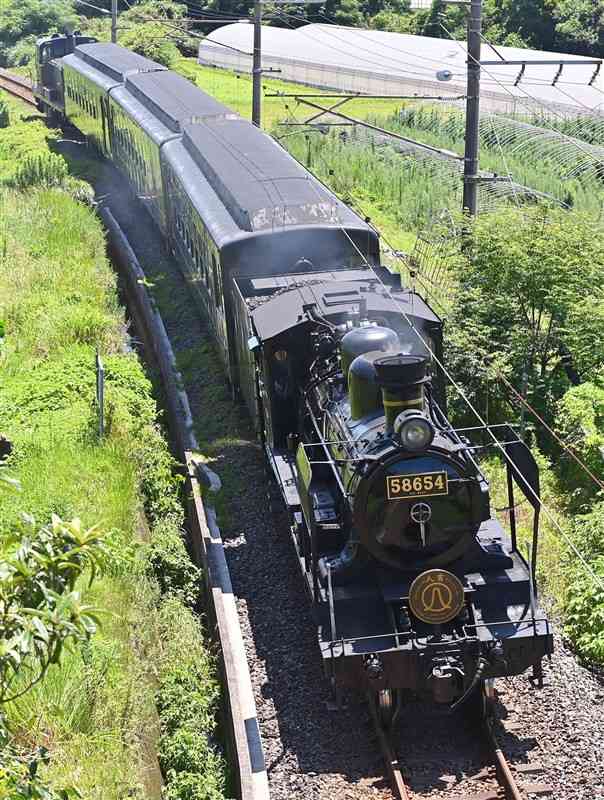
x=17 y=86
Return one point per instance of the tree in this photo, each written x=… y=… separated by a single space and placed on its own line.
x=21 y=21
x=146 y=34
x=523 y=276
x=389 y=20
x=579 y=26
x=348 y=12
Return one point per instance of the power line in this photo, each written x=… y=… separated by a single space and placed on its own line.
x=90 y=5
x=496 y=80
x=560 y=441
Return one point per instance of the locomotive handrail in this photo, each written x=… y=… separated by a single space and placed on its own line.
x=409 y=635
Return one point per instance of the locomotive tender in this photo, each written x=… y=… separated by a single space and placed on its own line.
x=414 y=584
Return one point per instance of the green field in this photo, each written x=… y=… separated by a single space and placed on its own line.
x=235 y=91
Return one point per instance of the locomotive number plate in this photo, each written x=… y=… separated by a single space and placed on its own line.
x=428 y=484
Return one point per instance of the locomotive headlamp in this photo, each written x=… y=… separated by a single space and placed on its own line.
x=414 y=431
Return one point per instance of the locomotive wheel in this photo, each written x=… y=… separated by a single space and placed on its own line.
x=481 y=703
x=387 y=704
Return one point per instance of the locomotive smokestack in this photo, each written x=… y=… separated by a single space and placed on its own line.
x=401 y=378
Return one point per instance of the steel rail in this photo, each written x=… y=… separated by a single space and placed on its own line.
x=393 y=766
x=17 y=86
x=504 y=774
x=508 y=787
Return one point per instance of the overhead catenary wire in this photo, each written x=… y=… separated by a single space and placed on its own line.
x=575 y=158
x=170 y=24
x=469 y=404
x=407 y=69
x=516 y=394
x=90 y=5
x=484 y=424
x=437 y=63
x=566 y=447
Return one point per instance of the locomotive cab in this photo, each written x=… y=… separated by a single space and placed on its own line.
x=48 y=85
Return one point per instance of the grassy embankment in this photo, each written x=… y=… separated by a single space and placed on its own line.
x=138 y=700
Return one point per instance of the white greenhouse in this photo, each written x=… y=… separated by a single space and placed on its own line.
x=378 y=62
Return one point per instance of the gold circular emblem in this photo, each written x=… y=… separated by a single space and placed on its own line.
x=436 y=596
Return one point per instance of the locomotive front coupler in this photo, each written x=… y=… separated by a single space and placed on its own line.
x=446 y=665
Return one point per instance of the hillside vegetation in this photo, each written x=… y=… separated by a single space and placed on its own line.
x=128 y=705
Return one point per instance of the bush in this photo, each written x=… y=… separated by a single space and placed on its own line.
x=149 y=40
x=44 y=170
x=584 y=606
x=580 y=423
x=584 y=623
x=169 y=563
x=186 y=701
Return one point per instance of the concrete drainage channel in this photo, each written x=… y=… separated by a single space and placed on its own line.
x=240 y=721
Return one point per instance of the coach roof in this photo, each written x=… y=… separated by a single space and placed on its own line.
x=173 y=99
x=260 y=184
x=115 y=61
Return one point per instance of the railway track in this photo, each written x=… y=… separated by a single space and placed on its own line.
x=307 y=755
x=499 y=768
x=17 y=86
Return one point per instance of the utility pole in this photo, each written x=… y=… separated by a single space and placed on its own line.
x=256 y=65
x=471 y=163
x=114 y=21
x=257 y=70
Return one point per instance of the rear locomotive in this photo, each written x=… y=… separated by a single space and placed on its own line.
x=415 y=586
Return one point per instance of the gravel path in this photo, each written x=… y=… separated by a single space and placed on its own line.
x=559 y=728
x=312 y=752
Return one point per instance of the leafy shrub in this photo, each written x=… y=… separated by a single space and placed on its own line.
x=45 y=170
x=169 y=563
x=584 y=607
x=41 y=611
x=584 y=623
x=580 y=422
x=186 y=700
x=26 y=19
x=149 y=40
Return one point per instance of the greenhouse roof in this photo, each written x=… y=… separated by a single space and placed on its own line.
x=414 y=59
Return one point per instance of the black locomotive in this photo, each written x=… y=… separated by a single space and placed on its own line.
x=413 y=582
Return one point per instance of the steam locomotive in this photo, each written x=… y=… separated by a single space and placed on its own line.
x=414 y=584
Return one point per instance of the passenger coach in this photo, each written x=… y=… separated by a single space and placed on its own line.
x=229 y=199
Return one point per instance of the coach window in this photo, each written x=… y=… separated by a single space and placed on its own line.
x=216 y=277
